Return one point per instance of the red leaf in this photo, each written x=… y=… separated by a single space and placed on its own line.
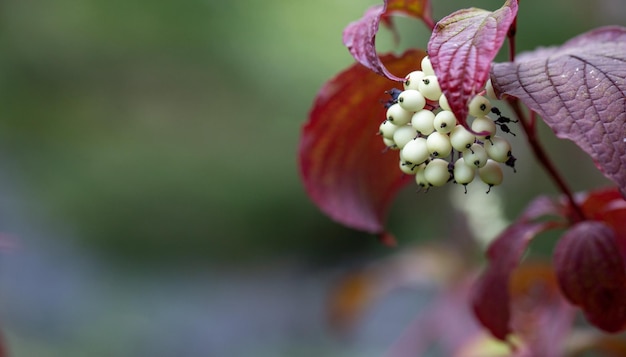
x=360 y=36
x=579 y=89
x=491 y=299
x=461 y=50
x=342 y=163
x=592 y=274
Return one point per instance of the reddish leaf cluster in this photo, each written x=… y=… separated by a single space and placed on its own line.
x=589 y=261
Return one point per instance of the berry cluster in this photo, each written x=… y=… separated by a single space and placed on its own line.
x=433 y=145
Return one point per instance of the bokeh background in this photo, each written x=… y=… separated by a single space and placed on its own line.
x=150 y=203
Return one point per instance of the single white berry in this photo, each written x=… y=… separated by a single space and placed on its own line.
x=411 y=100
x=489 y=90
x=415 y=151
x=403 y=135
x=436 y=172
x=429 y=87
x=420 y=177
x=475 y=156
x=491 y=173
x=443 y=102
x=427 y=67
x=412 y=80
x=461 y=139
x=408 y=168
x=439 y=144
x=444 y=121
x=389 y=143
x=386 y=129
x=423 y=121
x=498 y=148
x=479 y=106
x=463 y=173
x=484 y=127
x=397 y=115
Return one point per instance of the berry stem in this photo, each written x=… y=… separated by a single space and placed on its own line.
x=530 y=130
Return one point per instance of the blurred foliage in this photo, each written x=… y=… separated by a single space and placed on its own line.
x=167 y=131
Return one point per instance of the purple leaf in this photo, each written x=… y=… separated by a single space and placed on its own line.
x=461 y=49
x=592 y=274
x=360 y=36
x=579 y=89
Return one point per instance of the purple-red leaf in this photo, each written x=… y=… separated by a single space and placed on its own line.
x=579 y=89
x=592 y=274
x=491 y=298
x=461 y=50
x=342 y=161
x=360 y=36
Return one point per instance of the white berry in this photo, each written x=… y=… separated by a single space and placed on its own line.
x=479 y=106
x=461 y=139
x=423 y=121
x=436 y=172
x=427 y=67
x=463 y=173
x=408 y=168
x=444 y=121
x=411 y=100
x=386 y=129
x=443 y=102
x=439 y=144
x=412 y=80
x=397 y=115
x=498 y=149
x=484 y=127
x=420 y=176
x=475 y=156
x=415 y=151
x=489 y=90
x=389 y=143
x=429 y=87
x=491 y=173
x=403 y=135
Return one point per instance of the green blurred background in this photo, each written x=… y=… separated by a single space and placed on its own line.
x=159 y=139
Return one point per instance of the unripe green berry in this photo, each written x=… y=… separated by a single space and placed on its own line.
x=415 y=151
x=444 y=121
x=484 y=127
x=423 y=121
x=461 y=139
x=479 y=106
x=498 y=149
x=397 y=115
x=412 y=80
x=443 y=102
x=403 y=135
x=429 y=87
x=439 y=144
x=427 y=67
x=386 y=129
x=463 y=173
x=475 y=156
x=491 y=173
x=436 y=172
x=411 y=100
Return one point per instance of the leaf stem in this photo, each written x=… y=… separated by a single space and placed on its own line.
x=530 y=130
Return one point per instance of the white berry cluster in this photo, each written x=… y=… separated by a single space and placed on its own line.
x=433 y=145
